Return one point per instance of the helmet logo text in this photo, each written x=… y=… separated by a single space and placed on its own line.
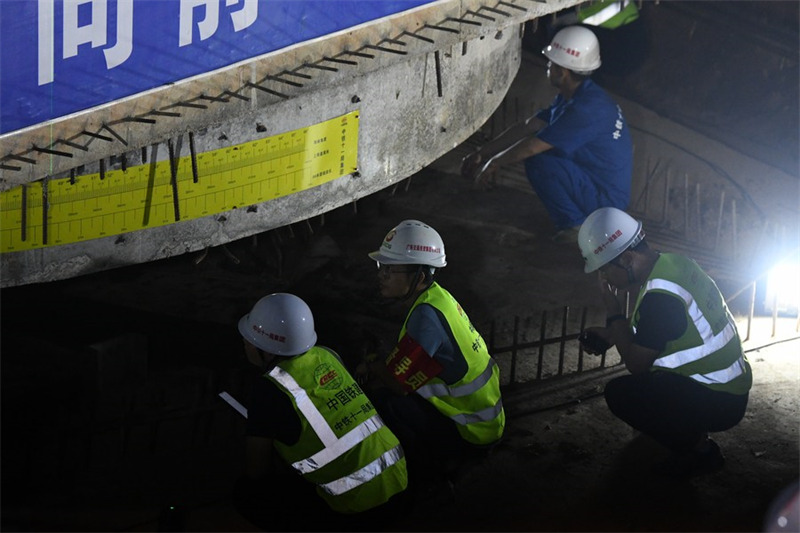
x=273 y=336
x=613 y=237
x=570 y=51
x=423 y=248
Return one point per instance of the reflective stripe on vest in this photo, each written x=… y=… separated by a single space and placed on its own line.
x=711 y=342
x=372 y=470
x=474 y=402
x=604 y=16
x=333 y=446
x=484 y=415
x=436 y=390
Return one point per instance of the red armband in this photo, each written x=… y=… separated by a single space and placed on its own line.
x=411 y=365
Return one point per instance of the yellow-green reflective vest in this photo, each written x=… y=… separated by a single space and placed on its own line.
x=344 y=448
x=473 y=402
x=709 y=351
x=609 y=14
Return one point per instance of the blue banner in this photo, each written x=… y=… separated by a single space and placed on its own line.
x=62 y=56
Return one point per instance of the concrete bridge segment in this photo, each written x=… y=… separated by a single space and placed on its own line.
x=422 y=82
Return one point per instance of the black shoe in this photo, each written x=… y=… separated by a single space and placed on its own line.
x=693 y=464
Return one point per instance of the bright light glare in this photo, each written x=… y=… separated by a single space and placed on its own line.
x=783 y=282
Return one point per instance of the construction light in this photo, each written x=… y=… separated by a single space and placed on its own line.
x=783 y=286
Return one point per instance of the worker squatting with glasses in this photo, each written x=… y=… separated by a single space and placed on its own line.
x=438 y=388
x=688 y=372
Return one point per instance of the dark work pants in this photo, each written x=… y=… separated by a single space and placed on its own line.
x=430 y=440
x=284 y=501
x=674 y=410
x=568 y=193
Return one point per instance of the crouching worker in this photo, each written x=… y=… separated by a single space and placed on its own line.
x=330 y=440
x=438 y=389
x=688 y=372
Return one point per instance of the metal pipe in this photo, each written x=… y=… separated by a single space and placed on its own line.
x=51 y=151
x=463 y=21
x=542 y=332
x=237 y=95
x=139 y=119
x=45 y=206
x=320 y=67
x=24 y=213
x=20 y=158
x=193 y=154
x=266 y=90
x=481 y=15
x=187 y=104
x=164 y=113
x=384 y=49
x=751 y=310
x=173 y=168
x=719 y=218
x=562 y=345
x=580 y=346
x=438 y=64
x=440 y=28
x=115 y=134
x=97 y=136
x=341 y=61
x=420 y=37
x=513 y=6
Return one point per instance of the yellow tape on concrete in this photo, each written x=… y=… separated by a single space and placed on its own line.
x=141 y=197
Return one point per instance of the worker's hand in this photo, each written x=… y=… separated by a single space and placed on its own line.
x=471 y=164
x=610 y=295
x=595 y=340
x=486 y=176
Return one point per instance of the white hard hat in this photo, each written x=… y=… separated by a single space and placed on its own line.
x=281 y=324
x=411 y=243
x=605 y=234
x=575 y=48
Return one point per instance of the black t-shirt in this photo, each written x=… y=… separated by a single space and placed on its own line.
x=662 y=318
x=271 y=413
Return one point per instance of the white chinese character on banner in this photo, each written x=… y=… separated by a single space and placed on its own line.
x=208 y=25
x=74 y=34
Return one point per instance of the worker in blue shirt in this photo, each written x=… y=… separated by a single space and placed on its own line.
x=577 y=153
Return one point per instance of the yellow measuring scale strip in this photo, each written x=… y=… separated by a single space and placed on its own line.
x=88 y=207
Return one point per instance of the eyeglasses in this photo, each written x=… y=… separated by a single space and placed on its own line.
x=607 y=267
x=387 y=270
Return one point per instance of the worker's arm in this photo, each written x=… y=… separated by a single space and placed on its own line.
x=525 y=148
x=475 y=164
x=637 y=358
x=662 y=318
x=510 y=137
x=406 y=369
x=381 y=376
